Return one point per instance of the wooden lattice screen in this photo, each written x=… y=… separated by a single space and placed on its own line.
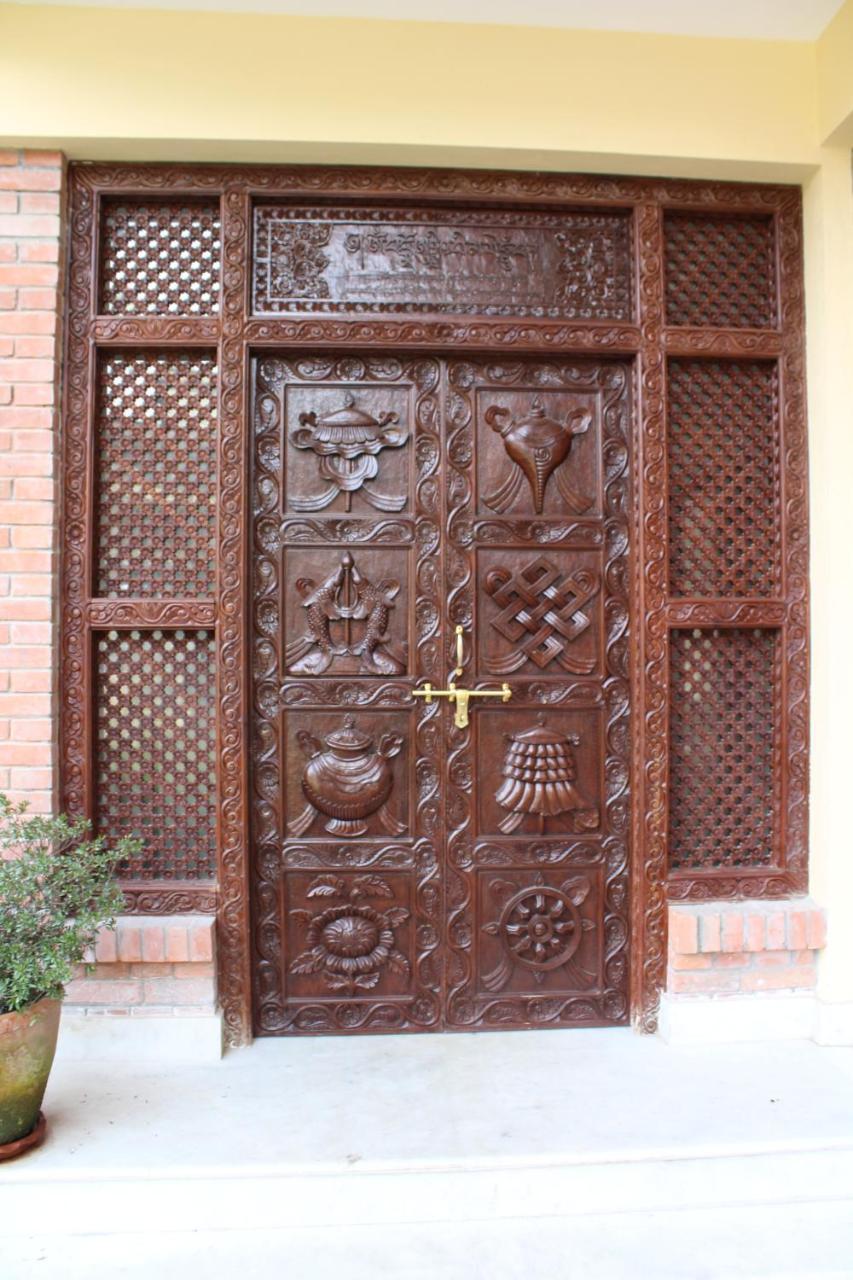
x=154 y=662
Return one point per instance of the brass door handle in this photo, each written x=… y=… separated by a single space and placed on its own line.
x=456 y=693
x=460 y=697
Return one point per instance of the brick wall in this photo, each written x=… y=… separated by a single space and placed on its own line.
x=742 y=948
x=149 y=966
x=31 y=209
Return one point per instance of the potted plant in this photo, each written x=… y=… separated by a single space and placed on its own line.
x=56 y=891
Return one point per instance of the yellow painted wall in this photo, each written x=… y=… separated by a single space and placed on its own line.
x=162 y=85
x=133 y=83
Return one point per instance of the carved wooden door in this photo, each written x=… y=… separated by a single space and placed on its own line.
x=409 y=873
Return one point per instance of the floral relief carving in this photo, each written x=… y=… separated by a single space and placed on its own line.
x=350 y=944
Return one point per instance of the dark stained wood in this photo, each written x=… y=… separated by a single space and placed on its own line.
x=420 y=288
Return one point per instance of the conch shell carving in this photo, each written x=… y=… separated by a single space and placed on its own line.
x=537 y=445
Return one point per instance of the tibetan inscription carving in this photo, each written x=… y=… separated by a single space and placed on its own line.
x=494 y=262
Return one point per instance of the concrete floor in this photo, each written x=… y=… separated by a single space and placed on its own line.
x=552 y=1153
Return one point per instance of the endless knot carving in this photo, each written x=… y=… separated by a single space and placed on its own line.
x=540 y=927
x=351 y=944
x=541 y=615
x=539 y=772
x=346 y=442
x=346 y=596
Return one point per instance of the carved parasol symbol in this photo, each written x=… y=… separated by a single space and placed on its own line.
x=539 y=772
x=347 y=442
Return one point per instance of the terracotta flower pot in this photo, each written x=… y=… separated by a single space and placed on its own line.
x=27 y=1047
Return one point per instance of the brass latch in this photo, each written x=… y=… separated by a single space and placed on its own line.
x=459 y=696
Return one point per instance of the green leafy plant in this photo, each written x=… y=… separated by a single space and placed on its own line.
x=56 y=891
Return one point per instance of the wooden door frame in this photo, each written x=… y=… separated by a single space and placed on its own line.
x=648 y=342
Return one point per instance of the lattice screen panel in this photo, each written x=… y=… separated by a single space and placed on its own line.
x=724 y=478
x=155 y=752
x=156 y=473
x=160 y=258
x=720 y=270
x=723 y=779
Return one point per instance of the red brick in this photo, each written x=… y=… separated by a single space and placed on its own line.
x=9 y=157
x=732 y=960
x=789 y=977
x=15 y=371
x=25 y=753
x=43 y=159
x=25 y=610
x=33 y=728
x=731 y=930
x=816 y=930
x=29 y=275
x=8 y=202
x=129 y=943
x=38 y=251
x=7 y=348
x=152 y=969
x=193 y=970
x=34 y=489
x=31 y=681
x=683 y=930
x=776 y=940
x=18 y=705
x=772 y=959
x=30 y=633
x=30 y=179
x=754 y=932
x=87 y=991
x=26 y=513
x=28 y=780
x=178 y=991
x=26 y=657
x=20 y=224
x=30 y=538
x=32 y=428
x=797 y=930
x=690 y=961
x=34 y=393
x=8 y=251
x=8 y=299
x=177 y=943
x=106 y=948
x=709 y=982
x=29 y=348
x=37 y=299
x=709 y=932
x=26 y=464
x=41 y=202
x=201 y=942
x=153 y=944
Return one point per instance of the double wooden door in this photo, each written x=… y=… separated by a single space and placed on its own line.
x=411 y=872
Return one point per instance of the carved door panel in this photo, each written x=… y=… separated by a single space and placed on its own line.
x=538 y=529
x=347 y=618
x=409 y=874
